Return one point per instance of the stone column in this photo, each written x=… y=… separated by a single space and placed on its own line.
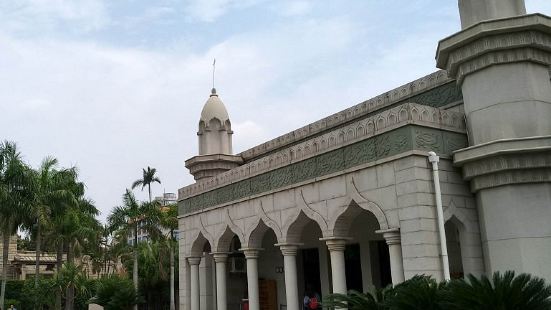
x=289 y=252
x=252 y=277
x=194 y=270
x=221 y=291
x=338 y=271
x=392 y=237
x=474 y=11
x=501 y=62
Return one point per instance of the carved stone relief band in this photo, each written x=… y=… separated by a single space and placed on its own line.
x=432 y=85
x=388 y=120
x=400 y=140
x=528 y=38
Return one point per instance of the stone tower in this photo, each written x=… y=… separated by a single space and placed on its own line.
x=215 y=141
x=501 y=61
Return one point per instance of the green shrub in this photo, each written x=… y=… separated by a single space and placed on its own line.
x=115 y=293
x=38 y=297
x=14 y=289
x=502 y=292
x=15 y=302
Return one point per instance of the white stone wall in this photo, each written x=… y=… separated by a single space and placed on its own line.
x=399 y=193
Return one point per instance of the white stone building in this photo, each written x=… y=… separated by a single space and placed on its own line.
x=350 y=201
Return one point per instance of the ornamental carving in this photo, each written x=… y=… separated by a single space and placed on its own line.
x=399 y=116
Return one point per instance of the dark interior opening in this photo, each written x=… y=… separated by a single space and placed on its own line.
x=353 y=267
x=311 y=267
x=384 y=263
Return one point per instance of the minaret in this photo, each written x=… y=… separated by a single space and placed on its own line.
x=501 y=61
x=215 y=141
x=215 y=132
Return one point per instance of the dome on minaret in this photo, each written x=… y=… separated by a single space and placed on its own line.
x=214 y=108
x=215 y=141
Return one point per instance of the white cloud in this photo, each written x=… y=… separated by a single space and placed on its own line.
x=250 y=134
x=295 y=7
x=211 y=10
x=28 y=16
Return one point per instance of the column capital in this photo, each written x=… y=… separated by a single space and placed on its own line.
x=251 y=253
x=194 y=260
x=220 y=257
x=335 y=243
x=289 y=249
x=392 y=236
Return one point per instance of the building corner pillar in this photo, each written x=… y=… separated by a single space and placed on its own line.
x=501 y=61
x=220 y=260
x=394 y=242
x=289 y=252
x=194 y=271
x=251 y=255
x=336 y=249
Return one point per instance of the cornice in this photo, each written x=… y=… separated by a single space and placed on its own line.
x=506 y=162
x=382 y=101
x=515 y=39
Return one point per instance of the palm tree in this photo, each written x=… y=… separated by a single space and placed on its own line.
x=50 y=190
x=126 y=218
x=148 y=177
x=169 y=221
x=15 y=189
x=502 y=291
x=358 y=301
x=80 y=236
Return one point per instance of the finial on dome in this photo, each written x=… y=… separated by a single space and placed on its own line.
x=213 y=92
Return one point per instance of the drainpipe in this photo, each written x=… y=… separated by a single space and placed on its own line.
x=433 y=159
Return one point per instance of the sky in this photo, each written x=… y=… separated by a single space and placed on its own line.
x=115 y=86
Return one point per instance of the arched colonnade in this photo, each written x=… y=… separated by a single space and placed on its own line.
x=307 y=251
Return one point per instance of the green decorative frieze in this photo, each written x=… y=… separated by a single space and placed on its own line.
x=397 y=141
x=438 y=96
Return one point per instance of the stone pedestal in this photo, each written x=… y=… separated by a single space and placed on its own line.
x=501 y=60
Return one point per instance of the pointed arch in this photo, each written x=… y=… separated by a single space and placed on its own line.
x=223 y=240
x=365 y=204
x=257 y=231
x=199 y=244
x=292 y=230
x=308 y=213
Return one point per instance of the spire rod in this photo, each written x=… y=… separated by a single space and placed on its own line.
x=213 y=71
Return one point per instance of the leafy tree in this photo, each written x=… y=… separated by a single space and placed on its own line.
x=72 y=279
x=169 y=221
x=148 y=177
x=126 y=219
x=154 y=272
x=15 y=192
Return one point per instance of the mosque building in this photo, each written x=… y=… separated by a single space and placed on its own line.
x=445 y=176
